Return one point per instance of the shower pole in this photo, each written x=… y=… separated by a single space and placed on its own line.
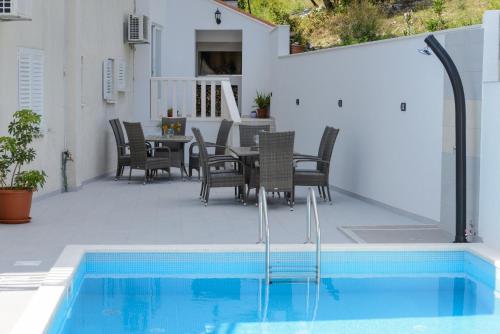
x=460 y=139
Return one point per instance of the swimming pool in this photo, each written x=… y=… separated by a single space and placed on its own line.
x=438 y=289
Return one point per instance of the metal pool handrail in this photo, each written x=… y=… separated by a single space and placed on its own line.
x=312 y=211
x=264 y=224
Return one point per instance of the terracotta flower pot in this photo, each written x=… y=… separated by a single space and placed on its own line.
x=262 y=113
x=15 y=206
x=297 y=48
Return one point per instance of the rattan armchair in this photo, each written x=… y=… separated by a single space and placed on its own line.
x=219 y=145
x=123 y=158
x=139 y=158
x=212 y=178
x=275 y=168
x=248 y=133
x=320 y=176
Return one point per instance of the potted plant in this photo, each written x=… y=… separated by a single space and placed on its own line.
x=262 y=103
x=17 y=185
x=170 y=112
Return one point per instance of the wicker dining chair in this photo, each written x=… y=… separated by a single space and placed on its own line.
x=247 y=139
x=248 y=133
x=324 y=138
x=219 y=145
x=174 y=149
x=139 y=158
x=123 y=158
x=212 y=178
x=320 y=176
x=275 y=166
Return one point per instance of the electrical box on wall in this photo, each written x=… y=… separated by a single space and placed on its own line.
x=121 y=76
x=114 y=78
x=15 y=10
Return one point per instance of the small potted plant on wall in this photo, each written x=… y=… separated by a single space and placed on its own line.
x=262 y=103
x=17 y=185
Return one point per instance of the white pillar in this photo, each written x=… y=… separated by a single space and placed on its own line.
x=489 y=193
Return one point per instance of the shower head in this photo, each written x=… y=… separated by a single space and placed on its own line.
x=425 y=51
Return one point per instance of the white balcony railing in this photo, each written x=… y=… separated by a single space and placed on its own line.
x=199 y=98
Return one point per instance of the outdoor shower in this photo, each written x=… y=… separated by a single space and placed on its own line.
x=460 y=132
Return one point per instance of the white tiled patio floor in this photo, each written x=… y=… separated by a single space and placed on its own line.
x=163 y=212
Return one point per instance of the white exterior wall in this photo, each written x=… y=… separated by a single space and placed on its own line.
x=401 y=159
x=102 y=34
x=489 y=203
x=45 y=32
x=382 y=153
x=180 y=20
x=465 y=46
x=75 y=37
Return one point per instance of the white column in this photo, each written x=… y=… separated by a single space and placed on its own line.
x=489 y=193
x=203 y=95
x=212 y=99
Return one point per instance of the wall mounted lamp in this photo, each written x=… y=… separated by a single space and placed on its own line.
x=218 y=14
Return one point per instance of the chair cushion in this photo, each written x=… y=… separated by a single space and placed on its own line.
x=309 y=177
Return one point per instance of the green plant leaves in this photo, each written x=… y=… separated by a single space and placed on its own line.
x=262 y=100
x=15 y=151
x=31 y=180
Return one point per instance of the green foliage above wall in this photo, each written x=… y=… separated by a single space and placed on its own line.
x=357 y=21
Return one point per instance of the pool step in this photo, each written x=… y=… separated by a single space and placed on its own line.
x=293 y=269
x=293 y=274
x=288 y=280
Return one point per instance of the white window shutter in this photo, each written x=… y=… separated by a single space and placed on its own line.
x=31 y=80
x=108 y=87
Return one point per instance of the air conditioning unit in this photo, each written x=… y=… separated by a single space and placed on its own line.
x=138 y=29
x=15 y=10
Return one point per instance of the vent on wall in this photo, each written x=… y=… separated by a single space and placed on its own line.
x=121 y=76
x=108 y=82
x=114 y=79
x=138 y=29
x=15 y=10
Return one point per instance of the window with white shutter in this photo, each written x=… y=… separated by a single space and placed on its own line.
x=31 y=79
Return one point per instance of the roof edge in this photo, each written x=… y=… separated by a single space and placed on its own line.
x=242 y=12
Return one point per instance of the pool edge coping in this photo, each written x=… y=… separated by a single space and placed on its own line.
x=39 y=313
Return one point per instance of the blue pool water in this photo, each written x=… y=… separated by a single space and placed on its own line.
x=432 y=292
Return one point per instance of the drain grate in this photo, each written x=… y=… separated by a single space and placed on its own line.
x=424 y=233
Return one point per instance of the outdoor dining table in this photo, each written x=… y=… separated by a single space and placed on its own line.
x=173 y=139
x=249 y=152
x=244 y=152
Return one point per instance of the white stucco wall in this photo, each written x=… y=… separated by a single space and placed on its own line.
x=102 y=37
x=74 y=50
x=465 y=46
x=44 y=32
x=180 y=20
x=489 y=203
x=382 y=153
